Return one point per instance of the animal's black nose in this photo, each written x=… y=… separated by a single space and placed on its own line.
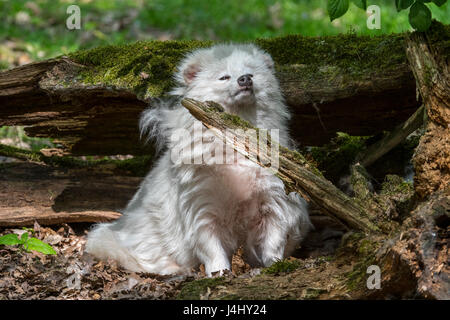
x=245 y=80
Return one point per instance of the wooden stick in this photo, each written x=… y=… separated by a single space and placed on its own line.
x=389 y=142
x=294 y=170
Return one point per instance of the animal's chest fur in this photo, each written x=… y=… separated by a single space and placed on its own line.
x=239 y=186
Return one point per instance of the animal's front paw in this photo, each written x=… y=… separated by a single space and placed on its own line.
x=270 y=260
x=220 y=273
x=217 y=269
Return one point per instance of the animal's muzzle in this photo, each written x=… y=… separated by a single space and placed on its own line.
x=245 y=80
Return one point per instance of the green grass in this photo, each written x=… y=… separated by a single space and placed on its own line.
x=16 y=136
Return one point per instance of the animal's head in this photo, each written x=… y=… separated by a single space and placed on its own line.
x=235 y=76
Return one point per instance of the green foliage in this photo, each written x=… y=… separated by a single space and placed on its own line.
x=27 y=243
x=403 y=4
x=360 y=4
x=419 y=14
x=439 y=3
x=9 y=239
x=38 y=245
x=107 y=22
x=337 y=8
x=18 y=137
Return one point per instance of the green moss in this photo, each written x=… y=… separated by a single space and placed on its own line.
x=298 y=157
x=282 y=266
x=236 y=120
x=351 y=240
x=312 y=293
x=334 y=158
x=439 y=36
x=146 y=67
x=348 y=54
x=393 y=185
x=357 y=277
x=194 y=289
x=366 y=247
x=357 y=246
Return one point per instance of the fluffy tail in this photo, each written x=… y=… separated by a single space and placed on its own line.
x=102 y=243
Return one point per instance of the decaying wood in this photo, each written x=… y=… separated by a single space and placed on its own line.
x=101 y=119
x=296 y=173
x=429 y=59
x=50 y=195
x=415 y=262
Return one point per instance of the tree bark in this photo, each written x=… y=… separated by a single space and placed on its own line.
x=416 y=259
x=429 y=55
x=51 y=195
x=414 y=263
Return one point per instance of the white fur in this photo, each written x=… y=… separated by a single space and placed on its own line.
x=186 y=214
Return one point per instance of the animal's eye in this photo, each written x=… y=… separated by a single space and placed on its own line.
x=227 y=77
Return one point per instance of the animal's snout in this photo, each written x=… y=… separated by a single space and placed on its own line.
x=245 y=80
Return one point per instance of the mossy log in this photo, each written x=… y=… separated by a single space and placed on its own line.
x=90 y=100
x=294 y=170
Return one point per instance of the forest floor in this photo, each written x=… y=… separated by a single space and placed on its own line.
x=73 y=274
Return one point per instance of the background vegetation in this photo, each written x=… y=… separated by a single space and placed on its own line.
x=33 y=30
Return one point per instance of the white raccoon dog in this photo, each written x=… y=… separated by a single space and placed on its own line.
x=185 y=214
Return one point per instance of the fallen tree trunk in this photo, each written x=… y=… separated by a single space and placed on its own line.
x=90 y=101
x=50 y=195
x=296 y=173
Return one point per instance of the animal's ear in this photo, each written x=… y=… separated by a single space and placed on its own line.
x=190 y=72
x=266 y=58
x=192 y=64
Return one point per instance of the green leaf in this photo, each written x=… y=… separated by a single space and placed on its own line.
x=10 y=239
x=420 y=16
x=37 y=245
x=24 y=237
x=403 y=4
x=439 y=3
x=337 y=8
x=360 y=4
